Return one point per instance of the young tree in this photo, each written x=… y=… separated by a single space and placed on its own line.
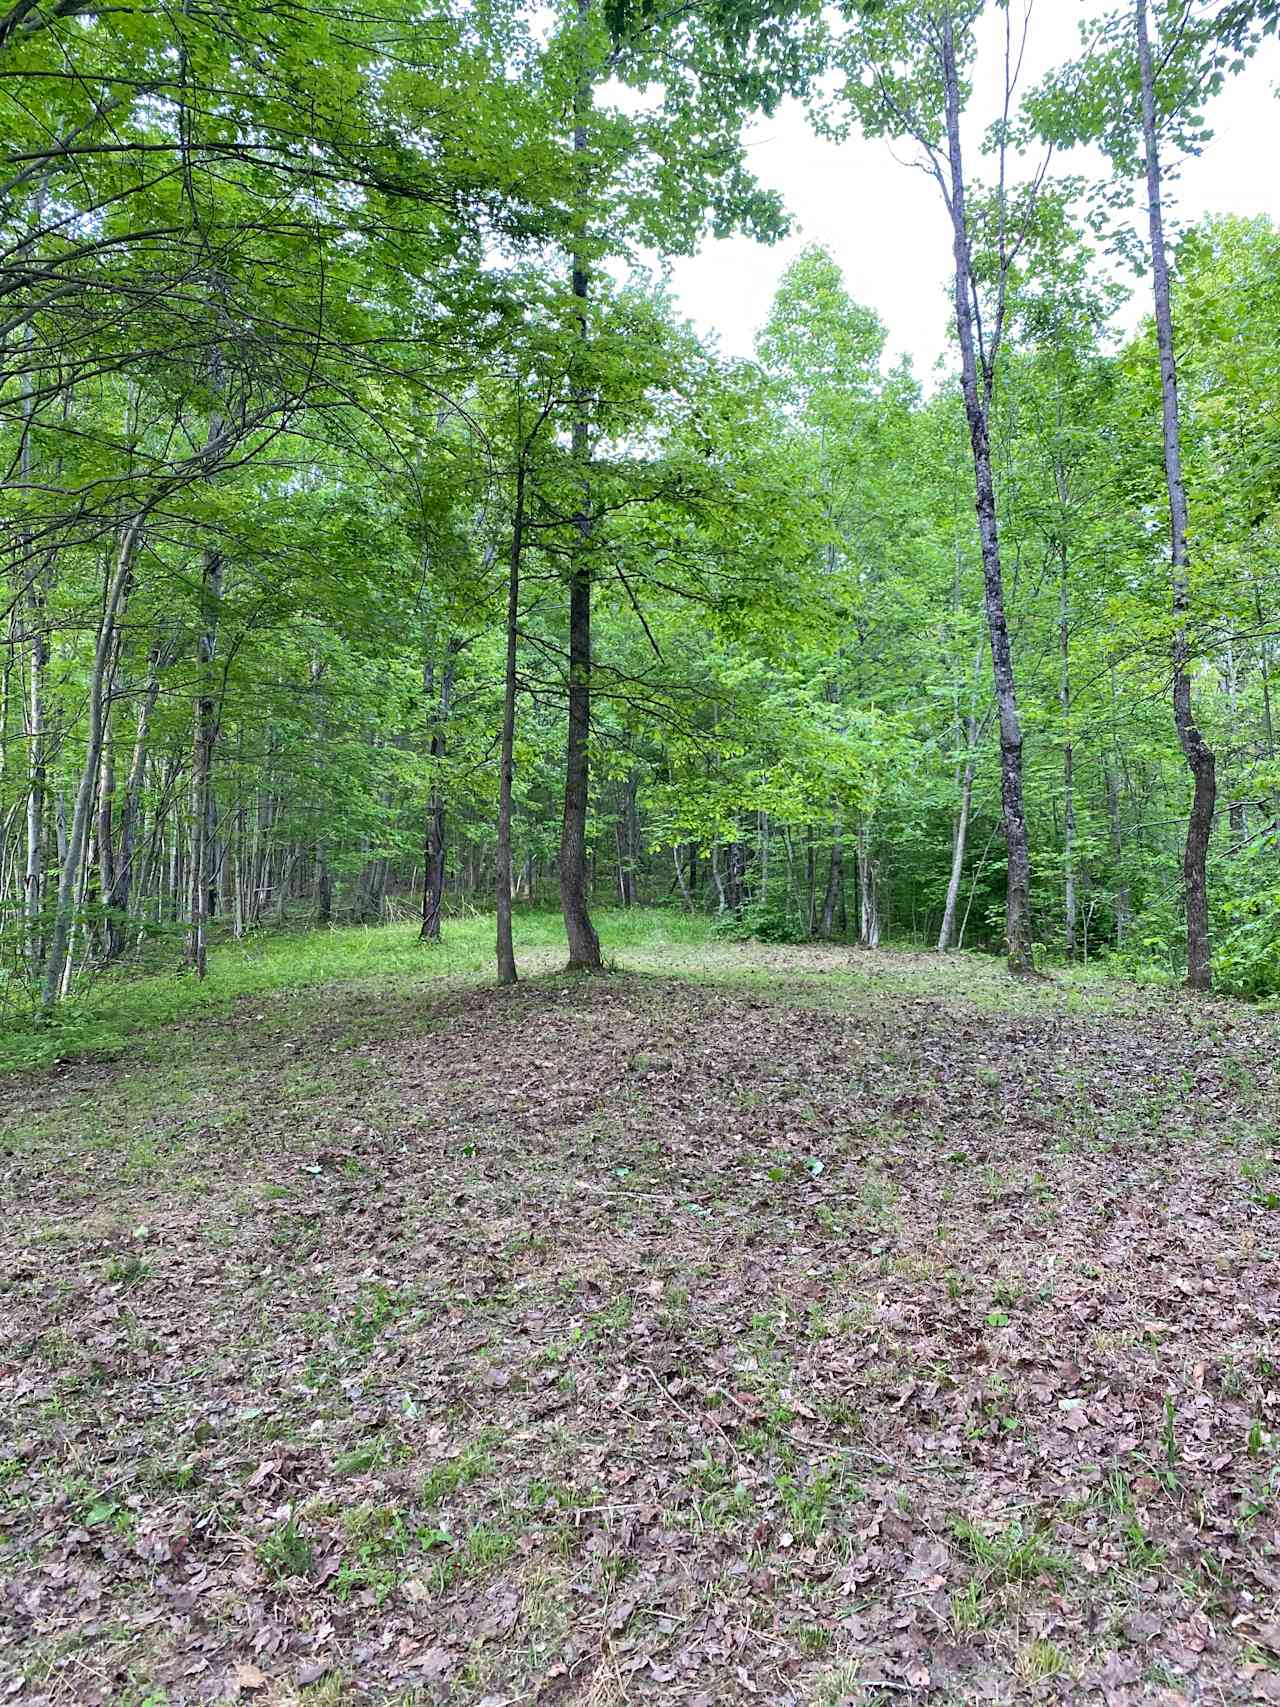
x=905 y=65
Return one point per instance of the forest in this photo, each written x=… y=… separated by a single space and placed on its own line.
x=637 y=984
x=380 y=542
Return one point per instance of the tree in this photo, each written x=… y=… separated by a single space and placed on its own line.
x=904 y=66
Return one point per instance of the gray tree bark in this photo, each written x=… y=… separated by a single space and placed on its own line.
x=978 y=376
x=1199 y=756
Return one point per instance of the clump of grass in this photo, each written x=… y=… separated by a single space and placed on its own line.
x=473 y=1462
x=287 y=1551
x=1018 y=1553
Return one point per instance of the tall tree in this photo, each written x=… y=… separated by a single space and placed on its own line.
x=905 y=67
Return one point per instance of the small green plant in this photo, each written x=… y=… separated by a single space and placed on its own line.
x=287 y=1551
x=372 y=1313
x=473 y=1462
x=1018 y=1553
x=1042 y=1659
x=807 y=1503
x=127 y=1270
x=969 y=1610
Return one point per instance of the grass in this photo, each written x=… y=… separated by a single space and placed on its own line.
x=114 y=1010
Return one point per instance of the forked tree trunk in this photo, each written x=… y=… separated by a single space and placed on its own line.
x=977 y=402
x=1198 y=754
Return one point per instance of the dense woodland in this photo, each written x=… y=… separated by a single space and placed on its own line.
x=380 y=543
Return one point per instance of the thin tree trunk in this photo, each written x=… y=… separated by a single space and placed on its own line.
x=811 y=880
x=37 y=776
x=868 y=891
x=722 y=898
x=685 y=896
x=69 y=875
x=1199 y=756
x=959 y=843
x=1068 y=762
x=977 y=401
x=204 y=739
x=434 y=853
x=129 y=811
x=506 y=764
x=1267 y=723
x=833 y=903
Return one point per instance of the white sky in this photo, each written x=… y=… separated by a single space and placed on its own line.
x=884 y=222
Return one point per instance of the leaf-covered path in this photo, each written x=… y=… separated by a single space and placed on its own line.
x=822 y=1327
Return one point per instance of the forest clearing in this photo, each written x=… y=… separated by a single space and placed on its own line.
x=639 y=853
x=748 y=1324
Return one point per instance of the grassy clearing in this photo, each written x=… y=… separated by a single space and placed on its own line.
x=811 y=1326
x=115 y=1012
x=119 y=1012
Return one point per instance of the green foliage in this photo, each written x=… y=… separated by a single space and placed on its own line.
x=287 y=1551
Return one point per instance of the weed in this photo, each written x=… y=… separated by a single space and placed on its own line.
x=470 y=1465
x=1041 y=1659
x=1018 y=1553
x=838 y=1686
x=126 y=1270
x=482 y=1549
x=969 y=1609
x=287 y=1551
x=373 y=1311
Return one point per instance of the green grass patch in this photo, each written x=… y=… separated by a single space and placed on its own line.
x=112 y=1011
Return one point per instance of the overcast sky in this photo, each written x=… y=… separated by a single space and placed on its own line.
x=885 y=224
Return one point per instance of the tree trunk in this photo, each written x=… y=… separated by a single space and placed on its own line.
x=868 y=891
x=112 y=928
x=1199 y=756
x=811 y=881
x=977 y=402
x=506 y=763
x=833 y=903
x=947 y=934
x=434 y=852
x=72 y=855
x=584 y=944
x=122 y=885
x=1068 y=763
x=1268 y=724
x=685 y=896
x=324 y=887
x=204 y=739
x=37 y=777
x=722 y=900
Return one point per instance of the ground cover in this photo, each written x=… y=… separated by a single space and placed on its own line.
x=751 y=1324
